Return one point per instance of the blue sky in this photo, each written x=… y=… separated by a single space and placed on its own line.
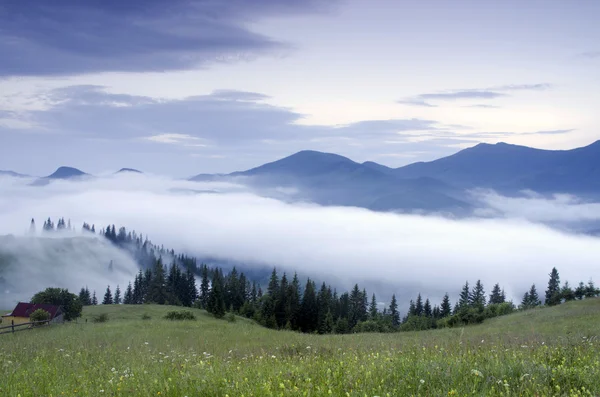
x=194 y=86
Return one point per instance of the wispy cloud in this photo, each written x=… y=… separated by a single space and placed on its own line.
x=178 y=139
x=590 y=54
x=468 y=94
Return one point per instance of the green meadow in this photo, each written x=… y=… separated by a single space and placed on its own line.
x=543 y=352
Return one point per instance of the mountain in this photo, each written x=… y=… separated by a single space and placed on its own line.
x=132 y=170
x=66 y=173
x=509 y=168
x=13 y=174
x=331 y=179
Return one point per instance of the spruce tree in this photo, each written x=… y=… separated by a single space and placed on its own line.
x=204 y=287
x=216 y=297
x=445 y=307
x=128 y=297
x=419 y=306
x=94 y=299
x=427 y=309
x=394 y=314
x=567 y=292
x=82 y=296
x=553 y=292
x=580 y=291
x=293 y=301
x=496 y=295
x=525 y=301
x=373 y=308
x=108 y=299
x=591 y=290
x=309 y=309
x=477 y=299
x=465 y=296
x=157 y=290
x=117 y=298
x=534 y=299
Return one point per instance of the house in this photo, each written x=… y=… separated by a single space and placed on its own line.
x=23 y=310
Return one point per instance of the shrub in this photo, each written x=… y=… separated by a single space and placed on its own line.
x=146 y=316
x=180 y=315
x=39 y=315
x=60 y=297
x=102 y=318
x=230 y=317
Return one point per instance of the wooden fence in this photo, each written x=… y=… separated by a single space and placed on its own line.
x=12 y=328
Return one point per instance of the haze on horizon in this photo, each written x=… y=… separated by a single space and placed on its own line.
x=194 y=86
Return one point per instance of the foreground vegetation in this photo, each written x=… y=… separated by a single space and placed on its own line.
x=546 y=351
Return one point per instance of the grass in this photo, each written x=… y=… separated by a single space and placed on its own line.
x=542 y=352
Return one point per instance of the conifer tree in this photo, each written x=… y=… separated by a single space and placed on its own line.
x=553 y=292
x=580 y=291
x=427 y=311
x=419 y=306
x=591 y=290
x=477 y=299
x=293 y=300
x=108 y=299
x=373 y=308
x=445 y=307
x=394 y=314
x=117 y=298
x=567 y=292
x=216 y=297
x=309 y=309
x=128 y=297
x=534 y=299
x=157 y=287
x=204 y=287
x=496 y=295
x=465 y=296
x=94 y=299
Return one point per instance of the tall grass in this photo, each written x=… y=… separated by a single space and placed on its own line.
x=538 y=353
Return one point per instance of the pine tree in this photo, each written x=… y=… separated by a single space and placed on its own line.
x=580 y=291
x=32 y=227
x=309 y=309
x=82 y=298
x=216 y=297
x=191 y=290
x=477 y=299
x=465 y=296
x=445 y=307
x=94 y=299
x=419 y=306
x=427 y=309
x=496 y=295
x=553 y=292
x=534 y=299
x=394 y=314
x=567 y=293
x=108 y=299
x=591 y=290
x=204 y=287
x=117 y=298
x=373 y=308
x=128 y=297
x=525 y=301
x=293 y=301
x=157 y=286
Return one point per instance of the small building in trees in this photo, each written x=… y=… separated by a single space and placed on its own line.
x=23 y=310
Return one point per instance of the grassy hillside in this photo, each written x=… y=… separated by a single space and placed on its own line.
x=543 y=352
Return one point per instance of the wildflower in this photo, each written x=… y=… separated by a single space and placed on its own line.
x=422 y=381
x=476 y=373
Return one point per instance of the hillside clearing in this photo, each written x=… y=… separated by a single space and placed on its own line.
x=549 y=351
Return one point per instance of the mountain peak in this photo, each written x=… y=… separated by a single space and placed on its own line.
x=132 y=170
x=66 y=173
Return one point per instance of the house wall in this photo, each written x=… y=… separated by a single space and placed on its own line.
x=18 y=320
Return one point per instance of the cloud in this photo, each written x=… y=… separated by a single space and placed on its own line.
x=74 y=37
x=235 y=124
x=483 y=106
x=466 y=94
x=558 y=208
x=412 y=253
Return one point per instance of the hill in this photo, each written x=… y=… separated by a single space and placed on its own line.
x=13 y=174
x=549 y=351
x=510 y=168
x=330 y=179
x=126 y=170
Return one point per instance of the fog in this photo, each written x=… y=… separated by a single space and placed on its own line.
x=400 y=253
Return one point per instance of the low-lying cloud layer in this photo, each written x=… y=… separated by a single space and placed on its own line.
x=413 y=253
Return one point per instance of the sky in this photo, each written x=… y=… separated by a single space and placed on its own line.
x=201 y=86
x=386 y=253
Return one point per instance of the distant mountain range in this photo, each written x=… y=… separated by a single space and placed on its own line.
x=435 y=186
x=439 y=185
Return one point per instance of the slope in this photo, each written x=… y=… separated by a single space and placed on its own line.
x=510 y=167
x=542 y=352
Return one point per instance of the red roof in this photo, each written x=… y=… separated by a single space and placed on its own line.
x=24 y=309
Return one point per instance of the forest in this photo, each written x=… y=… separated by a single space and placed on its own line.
x=286 y=302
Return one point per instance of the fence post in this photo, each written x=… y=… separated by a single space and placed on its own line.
x=12 y=322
